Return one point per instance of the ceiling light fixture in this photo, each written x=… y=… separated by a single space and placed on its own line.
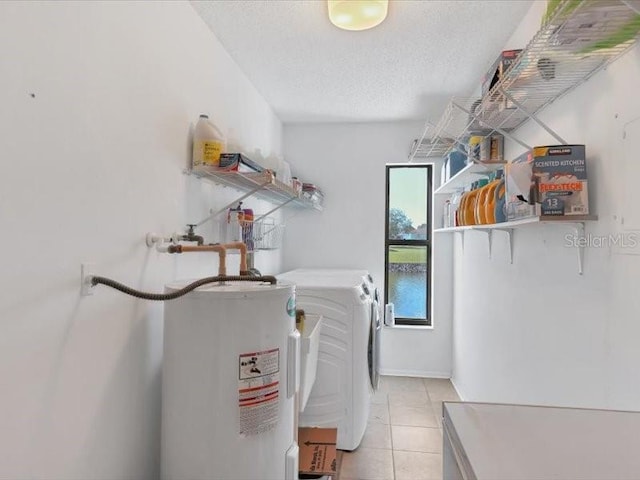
x=357 y=14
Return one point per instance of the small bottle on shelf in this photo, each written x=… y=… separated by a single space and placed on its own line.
x=446 y=214
x=453 y=208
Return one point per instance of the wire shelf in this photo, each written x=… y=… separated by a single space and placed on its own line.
x=267 y=235
x=263 y=234
x=449 y=133
x=432 y=148
x=579 y=39
x=566 y=51
x=264 y=185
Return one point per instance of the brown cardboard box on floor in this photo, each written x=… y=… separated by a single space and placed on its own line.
x=317 y=450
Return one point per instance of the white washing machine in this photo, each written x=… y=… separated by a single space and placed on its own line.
x=348 y=354
x=332 y=276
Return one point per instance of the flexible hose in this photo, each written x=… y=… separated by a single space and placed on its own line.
x=183 y=291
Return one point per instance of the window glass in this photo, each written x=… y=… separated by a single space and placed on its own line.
x=408 y=237
x=407 y=274
x=408 y=203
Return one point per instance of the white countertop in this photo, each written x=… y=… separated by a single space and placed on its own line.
x=516 y=442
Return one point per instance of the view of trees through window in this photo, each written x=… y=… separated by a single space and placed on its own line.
x=408 y=242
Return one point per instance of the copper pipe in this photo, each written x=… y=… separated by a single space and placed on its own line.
x=243 y=255
x=222 y=253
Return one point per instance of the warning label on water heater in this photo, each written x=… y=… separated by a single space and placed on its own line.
x=258 y=391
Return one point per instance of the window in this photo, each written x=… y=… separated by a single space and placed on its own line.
x=408 y=242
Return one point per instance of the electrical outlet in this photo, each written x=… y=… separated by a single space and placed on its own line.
x=86 y=272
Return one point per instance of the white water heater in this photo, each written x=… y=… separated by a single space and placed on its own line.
x=229 y=377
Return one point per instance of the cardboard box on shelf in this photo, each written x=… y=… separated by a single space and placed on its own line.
x=236 y=162
x=498 y=69
x=560 y=178
x=318 y=453
x=496 y=73
x=453 y=163
x=520 y=189
x=492 y=149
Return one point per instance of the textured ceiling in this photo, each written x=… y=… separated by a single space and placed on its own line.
x=405 y=69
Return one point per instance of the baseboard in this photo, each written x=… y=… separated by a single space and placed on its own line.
x=414 y=373
x=455 y=387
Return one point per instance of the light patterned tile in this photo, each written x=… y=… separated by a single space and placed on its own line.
x=380 y=398
x=437 y=409
x=437 y=382
x=377 y=435
x=409 y=399
x=367 y=464
x=440 y=389
x=401 y=384
x=413 y=416
x=379 y=414
x=417 y=465
x=417 y=439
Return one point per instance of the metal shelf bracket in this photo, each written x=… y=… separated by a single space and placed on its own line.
x=456 y=143
x=274 y=209
x=579 y=232
x=533 y=117
x=461 y=232
x=214 y=213
x=488 y=233
x=493 y=127
x=509 y=232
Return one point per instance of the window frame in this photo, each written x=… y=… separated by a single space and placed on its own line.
x=427 y=243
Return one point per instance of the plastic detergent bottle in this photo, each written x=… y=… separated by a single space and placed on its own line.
x=208 y=144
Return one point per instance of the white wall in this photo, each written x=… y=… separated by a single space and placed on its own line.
x=91 y=163
x=536 y=331
x=347 y=161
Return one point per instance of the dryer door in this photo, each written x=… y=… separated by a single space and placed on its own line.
x=374 y=346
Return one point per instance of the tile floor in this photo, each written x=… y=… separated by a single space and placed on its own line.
x=403 y=440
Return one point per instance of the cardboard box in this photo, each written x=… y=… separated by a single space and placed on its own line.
x=498 y=69
x=236 y=162
x=520 y=189
x=318 y=453
x=453 y=163
x=492 y=149
x=560 y=179
x=496 y=73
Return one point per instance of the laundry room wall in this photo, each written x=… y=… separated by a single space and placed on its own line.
x=536 y=331
x=347 y=161
x=98 y=99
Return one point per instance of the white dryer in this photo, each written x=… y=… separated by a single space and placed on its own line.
x=338 y=276
x=348 y=353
